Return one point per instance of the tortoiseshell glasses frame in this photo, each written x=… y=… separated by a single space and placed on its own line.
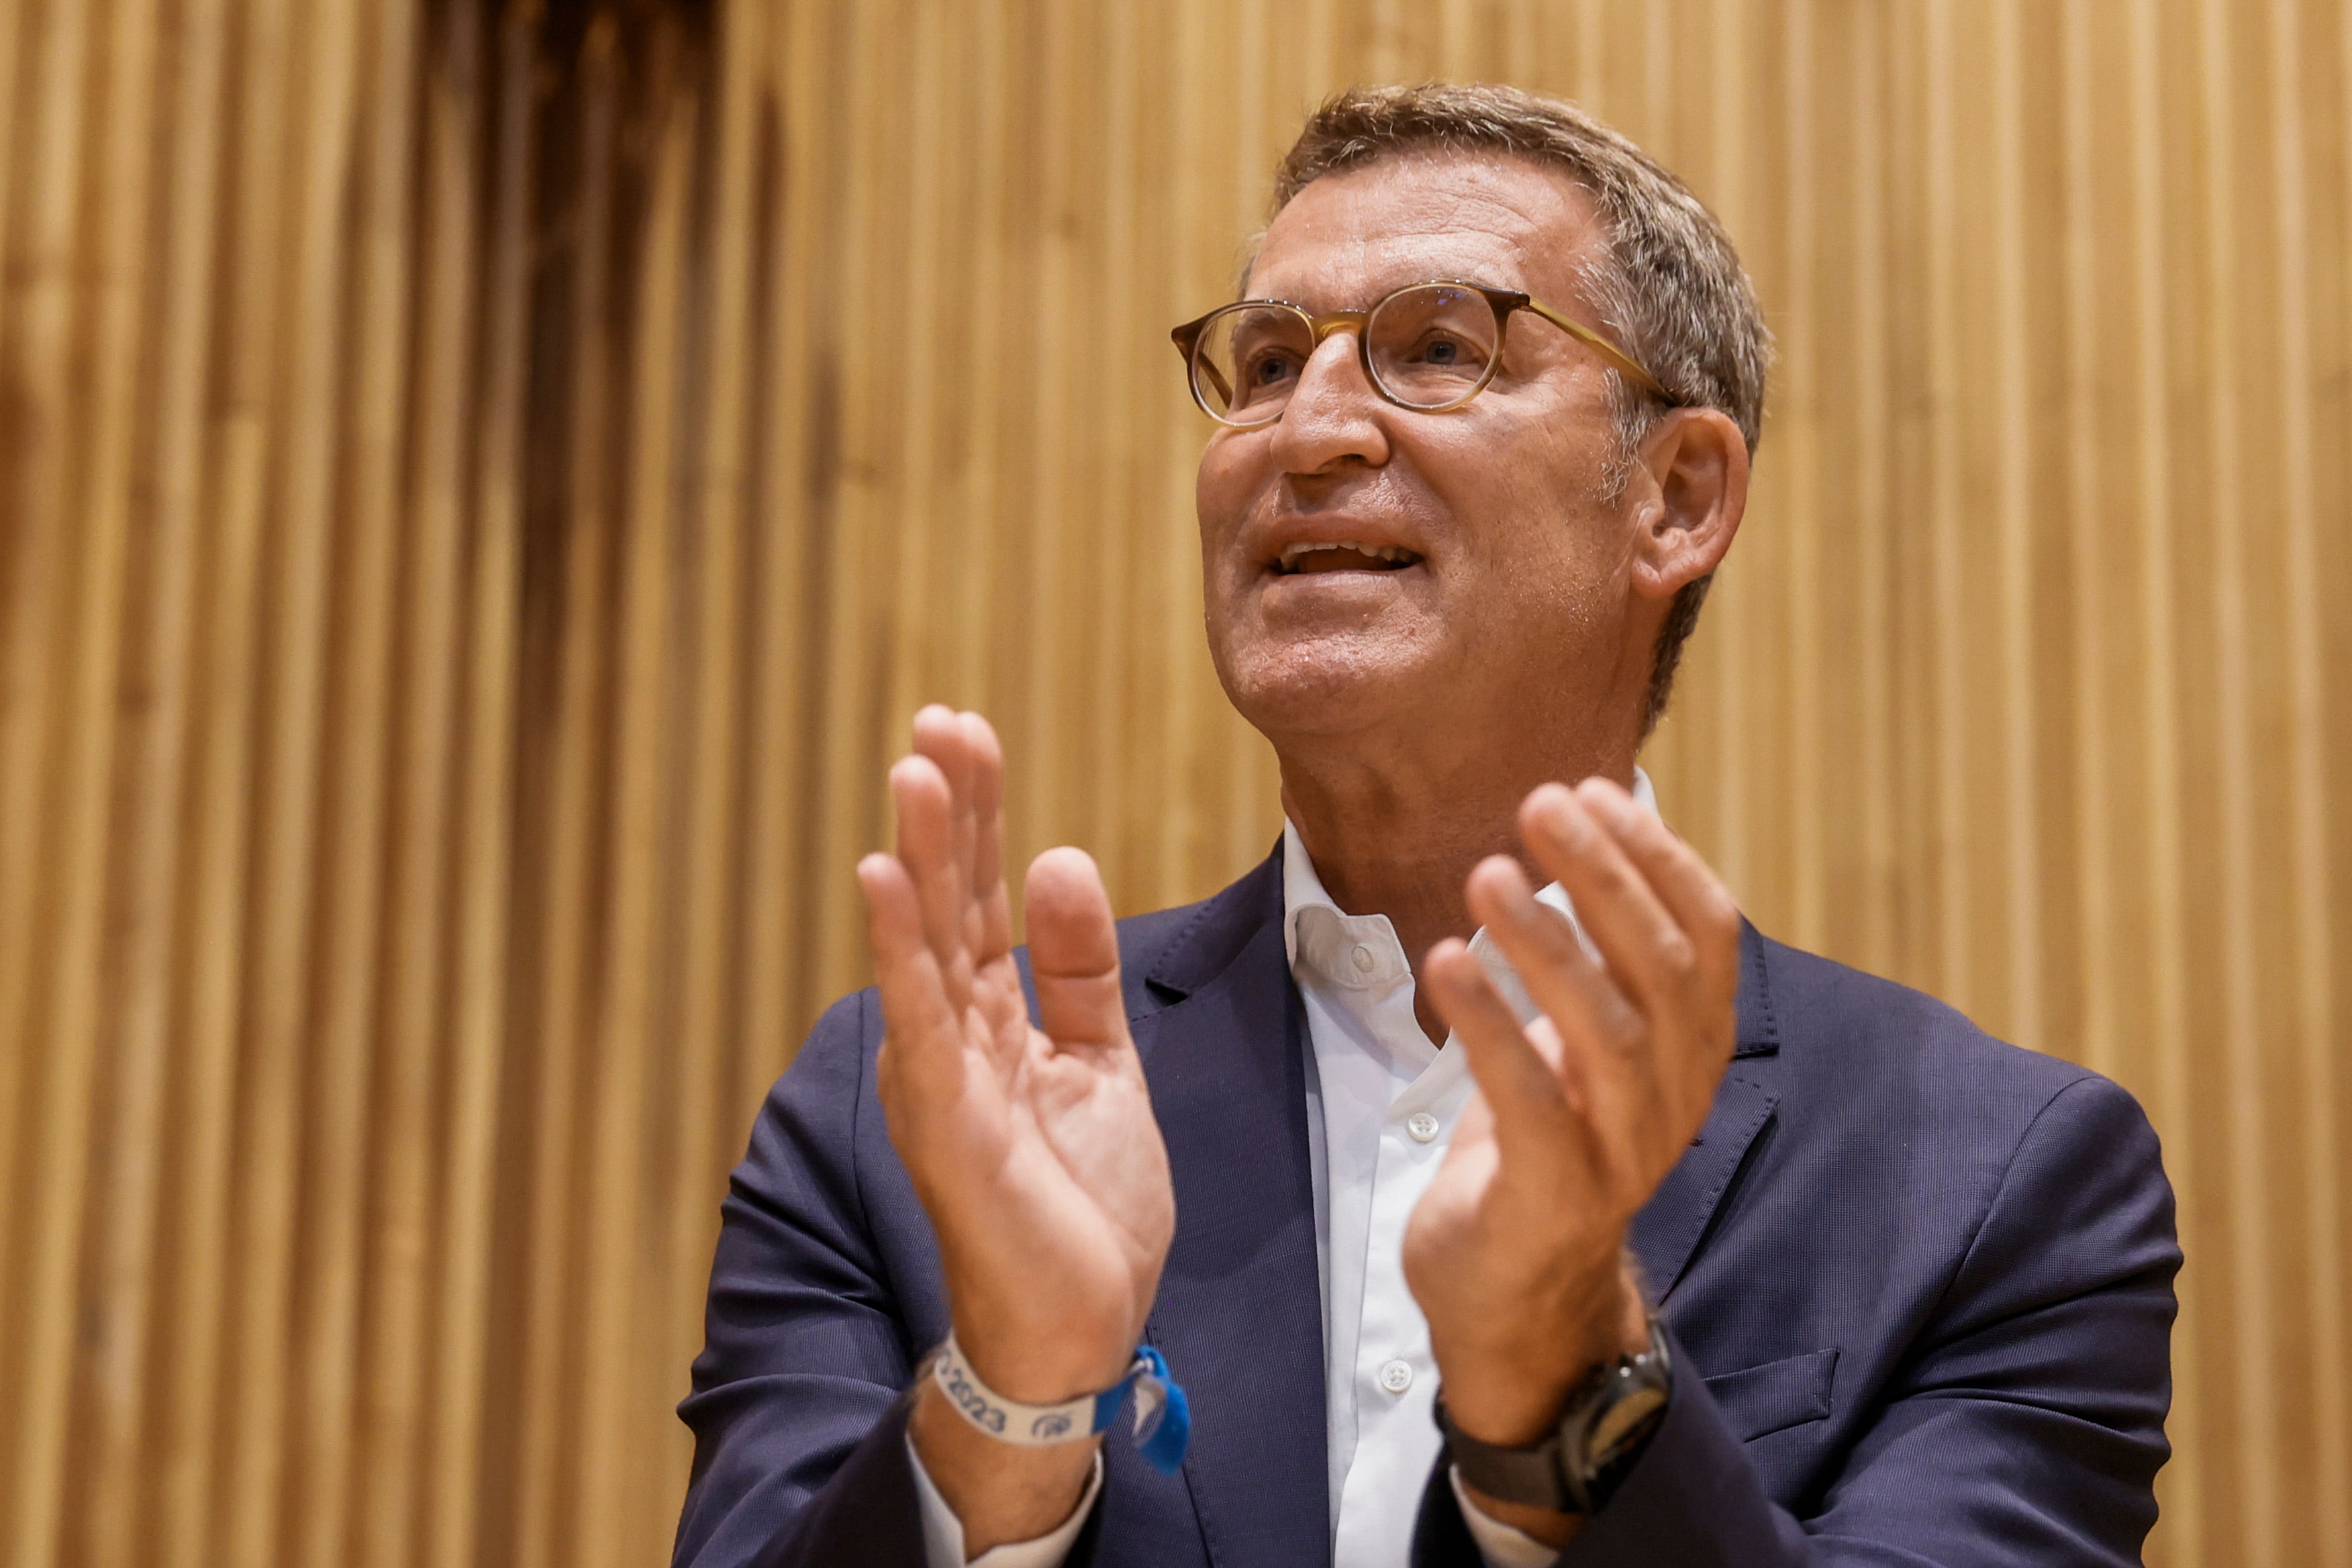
x=1210 y=386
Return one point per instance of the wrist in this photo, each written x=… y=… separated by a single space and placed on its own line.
x=1041 y=1363
x=1506 y=1380
x=1163 y=1421
x=998 y=1492
x=1596 y=1440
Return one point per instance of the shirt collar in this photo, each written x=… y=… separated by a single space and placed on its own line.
x=1303 y=890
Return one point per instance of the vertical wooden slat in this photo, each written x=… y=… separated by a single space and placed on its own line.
x=1730 y=832
x=2085 y=389
x=36 y=319
x=2020 y=770
x=569 y=896
x=211 y=447
x=361 y=505
x=1875 y=936
x=861 y=323
x=199 y=457
x=454 y=1503
x=2160 y=758
x=320 y=57
x=1953 y=973
x=14 y=25
x=801 y=400
x=2312 y=1007
x=426 y=596
x=146 y=902
x=1799 y=488
x=259 y=763
x=708 y=1015
x=101 y=290
x=614 y=1524
x=2249 y=1250
x=1201 y=113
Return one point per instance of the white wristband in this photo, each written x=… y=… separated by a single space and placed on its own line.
x=1162 y=1422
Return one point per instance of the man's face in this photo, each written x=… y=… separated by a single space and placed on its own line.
x=1512 y=590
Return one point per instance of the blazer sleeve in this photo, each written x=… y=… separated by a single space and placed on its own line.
x=2028 y=1425
x=797 y=1411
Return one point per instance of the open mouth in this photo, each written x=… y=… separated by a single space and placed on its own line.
x=1342 y=556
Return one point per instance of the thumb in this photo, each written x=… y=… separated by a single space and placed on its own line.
x=1073 y=952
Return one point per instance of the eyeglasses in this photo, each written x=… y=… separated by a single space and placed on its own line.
x=1431 y=347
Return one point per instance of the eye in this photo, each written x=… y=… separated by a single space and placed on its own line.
x=1270 y=369
x=1440 y=350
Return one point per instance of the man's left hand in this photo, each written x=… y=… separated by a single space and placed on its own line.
x=1516 y=1252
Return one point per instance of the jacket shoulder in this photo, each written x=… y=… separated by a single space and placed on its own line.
x=1836 y=1020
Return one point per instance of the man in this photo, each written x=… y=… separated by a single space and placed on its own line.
x=1482 y=1224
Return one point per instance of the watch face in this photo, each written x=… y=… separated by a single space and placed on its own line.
x=1622 y=1422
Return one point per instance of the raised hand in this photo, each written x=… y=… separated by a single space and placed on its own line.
x=1515 y=1251
x=1032 y=1149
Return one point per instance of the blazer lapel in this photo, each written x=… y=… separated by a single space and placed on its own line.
x=1667 y=1232
x=1240 y=1310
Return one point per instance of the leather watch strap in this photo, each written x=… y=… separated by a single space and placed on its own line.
x=1601 y=1431
x=1532 y=1476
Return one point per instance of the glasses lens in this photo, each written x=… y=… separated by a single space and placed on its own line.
x=1431 y=346
x=1248 y=359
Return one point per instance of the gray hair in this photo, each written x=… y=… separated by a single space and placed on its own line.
x=1668 y=283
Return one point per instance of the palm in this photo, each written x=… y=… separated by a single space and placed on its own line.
x=1033 y=1146
x=1480 y=1196
x=1063 y=1130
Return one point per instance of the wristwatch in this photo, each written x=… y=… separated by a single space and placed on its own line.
x=1607 y=1421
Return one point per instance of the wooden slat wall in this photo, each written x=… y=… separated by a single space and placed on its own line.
x=483 y=485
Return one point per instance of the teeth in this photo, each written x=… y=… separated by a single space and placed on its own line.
x=1292 y=553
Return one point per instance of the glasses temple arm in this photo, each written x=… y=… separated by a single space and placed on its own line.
x=1625 y=363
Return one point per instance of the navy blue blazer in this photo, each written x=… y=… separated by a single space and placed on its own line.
x=1919 y=1282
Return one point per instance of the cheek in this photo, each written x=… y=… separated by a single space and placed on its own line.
x=1539 y=535
x=1229 y=486
x=1222 y=490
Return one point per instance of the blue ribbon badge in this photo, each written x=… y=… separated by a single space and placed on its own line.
x=1163 y=1419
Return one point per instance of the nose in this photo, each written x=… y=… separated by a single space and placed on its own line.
x=1333 y=413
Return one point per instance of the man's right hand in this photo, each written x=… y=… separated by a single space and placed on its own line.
x=1032 y=1148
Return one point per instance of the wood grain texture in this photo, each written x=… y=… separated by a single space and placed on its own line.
x=484 y=484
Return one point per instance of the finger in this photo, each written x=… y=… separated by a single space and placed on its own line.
x=1562 y=980
x=1684 y=883
x=926 y=848
x=1524 y=1093
x=988 y=826
x=1074 y=953
x=1650 y=956
x=1700 y=905
x=938 y=735
x=919 y=1023
x=1605 y=1077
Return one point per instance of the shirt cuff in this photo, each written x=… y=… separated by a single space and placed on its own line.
x=943 y=1531
x=1499 y=1545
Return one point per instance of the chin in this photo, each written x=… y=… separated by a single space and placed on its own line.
x=1339 y=683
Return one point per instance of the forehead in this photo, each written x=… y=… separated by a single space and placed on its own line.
x=1494 y=218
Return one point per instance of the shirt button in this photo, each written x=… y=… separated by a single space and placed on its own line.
x=1396 y=1376
x=1423 y=1126
x=1365 y=961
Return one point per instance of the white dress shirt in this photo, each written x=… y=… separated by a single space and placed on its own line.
x=1382 y=1105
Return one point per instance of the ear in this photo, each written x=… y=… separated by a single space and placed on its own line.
x=1688 y=496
